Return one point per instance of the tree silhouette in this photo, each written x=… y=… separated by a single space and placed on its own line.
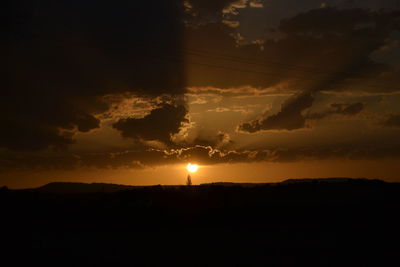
x=189 y=180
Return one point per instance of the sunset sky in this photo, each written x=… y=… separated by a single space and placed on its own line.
x=129 y=92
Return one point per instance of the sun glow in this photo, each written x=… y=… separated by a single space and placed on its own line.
x=192 y=167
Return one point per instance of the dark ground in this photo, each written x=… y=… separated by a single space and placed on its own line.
x=325 y=222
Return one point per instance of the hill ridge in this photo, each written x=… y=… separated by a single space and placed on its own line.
x=95 y=187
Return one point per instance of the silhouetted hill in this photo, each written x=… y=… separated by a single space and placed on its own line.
x=332 y=180
x=81 y=188
x=219 y=224
x=85 y=188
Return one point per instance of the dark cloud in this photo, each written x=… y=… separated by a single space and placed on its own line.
x=204 y=155
x=291 y=116
x=307 y=53
x=288 y=118
x=392 y=121
x=220 y=140
x=160 y=124
x=208 y=155
x=339 y=108
x=207 y=9
x=338 y=46
x=238 y=92
x=63 y=56
x=348 y=109
x=60 y=65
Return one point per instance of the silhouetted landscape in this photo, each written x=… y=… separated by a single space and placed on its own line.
x=335 y=222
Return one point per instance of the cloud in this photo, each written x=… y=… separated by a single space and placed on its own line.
x=219 y=141
x=207 y=8
x=348 y=109
x=334 y=51
x=204 y=155
x=288 y=118
x=339 y=108
x=59 y=66
x=61 y=69
x=291 y=116
x=392 y=121
x=343 y=39
x=160 y=124
x=215 y=10
x=240 y=92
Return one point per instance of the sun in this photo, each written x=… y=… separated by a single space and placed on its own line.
x=192 y=167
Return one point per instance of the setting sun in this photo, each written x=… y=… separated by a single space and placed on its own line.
x=192 y=167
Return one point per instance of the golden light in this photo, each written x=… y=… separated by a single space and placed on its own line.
x=192 y=167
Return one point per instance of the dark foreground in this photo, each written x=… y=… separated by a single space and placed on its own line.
x=340 y=222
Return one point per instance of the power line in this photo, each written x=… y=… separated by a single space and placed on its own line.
x=232 y=58
x=265 y=60
x=284 y=65
x=269 y=73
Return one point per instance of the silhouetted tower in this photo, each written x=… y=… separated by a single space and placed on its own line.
x=189 y=180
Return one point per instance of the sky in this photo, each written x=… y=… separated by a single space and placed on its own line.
x=251 y=90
